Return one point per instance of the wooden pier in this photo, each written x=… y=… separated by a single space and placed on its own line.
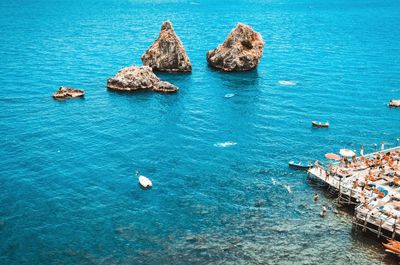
x=374 y=190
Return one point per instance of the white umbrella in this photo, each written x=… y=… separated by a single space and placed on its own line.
x=347 y=153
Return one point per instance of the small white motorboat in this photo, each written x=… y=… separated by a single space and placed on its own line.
x=144 y=181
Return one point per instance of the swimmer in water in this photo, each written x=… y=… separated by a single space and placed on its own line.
x=323 y=211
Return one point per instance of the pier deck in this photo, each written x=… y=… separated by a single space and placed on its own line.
x=374 y=189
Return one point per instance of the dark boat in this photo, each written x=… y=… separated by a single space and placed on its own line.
x=300 y=165
x=320 y=124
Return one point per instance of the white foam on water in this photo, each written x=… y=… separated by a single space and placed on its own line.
x=225 y=144
x=287 y=187
x=273 y=181
x=229 y=95
x=287 y=83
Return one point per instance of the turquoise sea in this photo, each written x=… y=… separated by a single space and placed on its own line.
x=68 y=190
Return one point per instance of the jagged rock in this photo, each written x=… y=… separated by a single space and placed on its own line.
x=136 y=78
x=394 y=103
x=167 y=52
x=241 y=51
x=68 y=92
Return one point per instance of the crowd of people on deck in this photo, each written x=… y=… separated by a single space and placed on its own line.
x=373 y=180
x=366 y=171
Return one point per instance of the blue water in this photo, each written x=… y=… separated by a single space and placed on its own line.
x=68 y=190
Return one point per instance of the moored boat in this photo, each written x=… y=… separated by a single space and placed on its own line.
x=394 y=242
x=393 y=248
x=320 y=124
x=144 y=181
x=300 y=165
x=394 y=103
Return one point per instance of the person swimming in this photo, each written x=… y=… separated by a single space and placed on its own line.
x=323 y=212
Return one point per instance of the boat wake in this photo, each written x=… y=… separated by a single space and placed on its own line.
x=229 y=95
x=225 y=144
x=287 y=187
x=287 y=83
x=273 y=181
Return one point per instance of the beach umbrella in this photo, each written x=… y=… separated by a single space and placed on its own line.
x=332 y=156
x=347 y=152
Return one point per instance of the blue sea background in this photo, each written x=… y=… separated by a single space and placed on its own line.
x=68 y=190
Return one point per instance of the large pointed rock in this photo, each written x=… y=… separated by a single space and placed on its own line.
x=167 y=52
x=135 y=78
x=241 y=51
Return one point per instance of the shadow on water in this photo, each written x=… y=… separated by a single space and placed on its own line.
x=140 y=94
x=371 y=241
x=175 y=78
x=237 y=80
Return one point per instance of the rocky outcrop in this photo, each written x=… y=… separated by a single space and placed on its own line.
x=68 y=92
x=394 y=103
x=167 y=52
x=135 y=78
x=241 y=51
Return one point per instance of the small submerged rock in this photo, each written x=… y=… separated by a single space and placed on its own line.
x=136 y=78
x=241 y=51
x=394 y=103
x=259 y=203
x=68 y=92
x=167 y=52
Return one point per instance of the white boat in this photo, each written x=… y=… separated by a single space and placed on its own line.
x=144 y=181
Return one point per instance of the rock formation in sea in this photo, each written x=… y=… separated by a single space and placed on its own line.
x=135 y=78
x=68 y=92
x=167 y=52
x=241 y=50
x=394 y=103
